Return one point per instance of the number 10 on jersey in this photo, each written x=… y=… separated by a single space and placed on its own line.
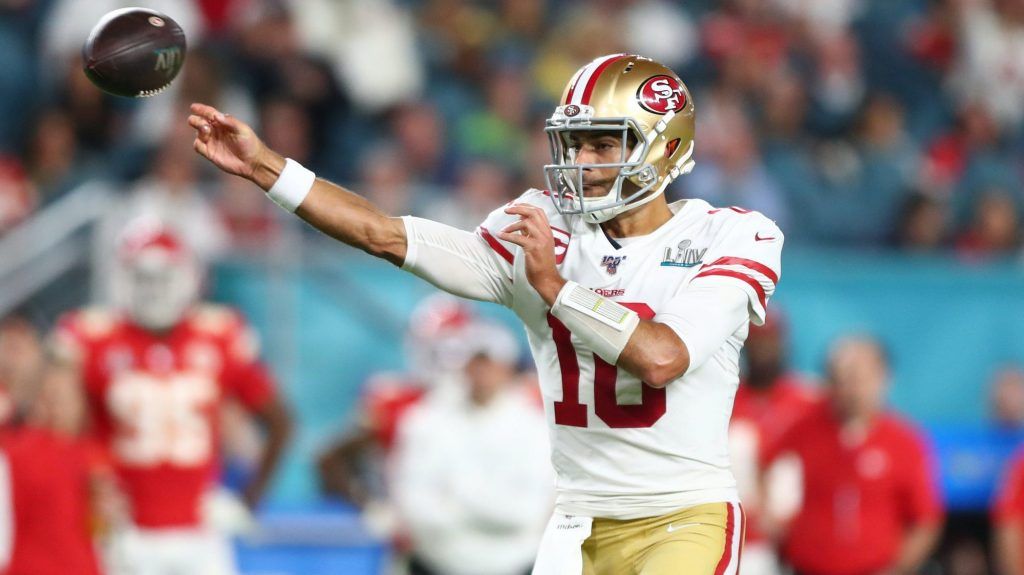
x=570 y=411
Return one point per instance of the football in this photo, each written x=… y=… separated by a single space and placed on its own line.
x=134 y=52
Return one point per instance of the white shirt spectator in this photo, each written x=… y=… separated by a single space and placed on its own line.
x=473 y=483
x=822 y=17
x=357 y=37
x=990 y=69
x=662 y=30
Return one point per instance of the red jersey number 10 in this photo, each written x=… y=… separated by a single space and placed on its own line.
x=570 y=411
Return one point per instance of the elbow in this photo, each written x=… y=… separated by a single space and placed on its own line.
x=384 y=250
x=666 y=367
x=386 y=241
x=658 y=377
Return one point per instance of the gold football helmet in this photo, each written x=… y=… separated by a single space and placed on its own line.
x=649 y=106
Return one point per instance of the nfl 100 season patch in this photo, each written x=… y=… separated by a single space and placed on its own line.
x=611 y=263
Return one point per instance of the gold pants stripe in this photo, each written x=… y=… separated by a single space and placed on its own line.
x=701 y=540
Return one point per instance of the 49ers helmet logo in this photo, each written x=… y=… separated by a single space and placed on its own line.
x=661 y=94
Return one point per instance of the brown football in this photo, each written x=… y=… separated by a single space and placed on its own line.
x=134 y=52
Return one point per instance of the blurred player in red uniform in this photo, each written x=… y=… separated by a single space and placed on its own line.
x=1008 y=517
x=50 y=477
x=156 y=372
x=870 y=503
x=769 y=401
x=352 y=466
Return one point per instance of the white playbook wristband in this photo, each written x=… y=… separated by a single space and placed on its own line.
x=603 y=325
x=292 y=186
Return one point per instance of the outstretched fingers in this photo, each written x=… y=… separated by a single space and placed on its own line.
x=532 y=219
x=211 y=114
x=201 y=126
x=526 y=233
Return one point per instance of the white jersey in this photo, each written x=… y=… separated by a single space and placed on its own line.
x=623 y=449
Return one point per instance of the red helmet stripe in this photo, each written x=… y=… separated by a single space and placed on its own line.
x=572 y=85
x=585 y=79
x=596 y=75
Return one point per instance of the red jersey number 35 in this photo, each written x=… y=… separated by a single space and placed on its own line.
x=162 y=419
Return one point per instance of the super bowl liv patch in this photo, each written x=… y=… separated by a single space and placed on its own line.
x=683 y=255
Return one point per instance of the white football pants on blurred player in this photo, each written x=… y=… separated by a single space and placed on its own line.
x=203 y=550
x=171 y=552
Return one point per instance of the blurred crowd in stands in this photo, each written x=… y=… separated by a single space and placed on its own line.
x=865 y=123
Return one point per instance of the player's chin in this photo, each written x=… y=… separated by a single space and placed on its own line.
x=595 y=190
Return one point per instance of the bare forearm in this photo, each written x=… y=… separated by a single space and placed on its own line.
x=655 y=354
x=353 y=220
x=1009 y=557
x=338 y=471
x=231 y=145
x=278 y=424
x=341 y=214
x=917 y=546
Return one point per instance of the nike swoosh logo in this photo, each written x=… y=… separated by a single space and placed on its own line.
x=758 y=238
x=672 y=527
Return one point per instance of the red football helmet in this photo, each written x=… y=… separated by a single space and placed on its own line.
x=157 y=277
x=433 y=343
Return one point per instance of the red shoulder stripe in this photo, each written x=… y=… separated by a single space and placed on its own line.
x=756 y=285
x=495 y=244
x=754 y=265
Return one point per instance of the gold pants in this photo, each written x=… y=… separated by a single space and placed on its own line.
x=702 y=540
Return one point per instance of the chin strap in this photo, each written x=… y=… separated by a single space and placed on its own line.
x=601 y=216
x=684 y=165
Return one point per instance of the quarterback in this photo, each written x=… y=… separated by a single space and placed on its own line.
x=635 y=310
